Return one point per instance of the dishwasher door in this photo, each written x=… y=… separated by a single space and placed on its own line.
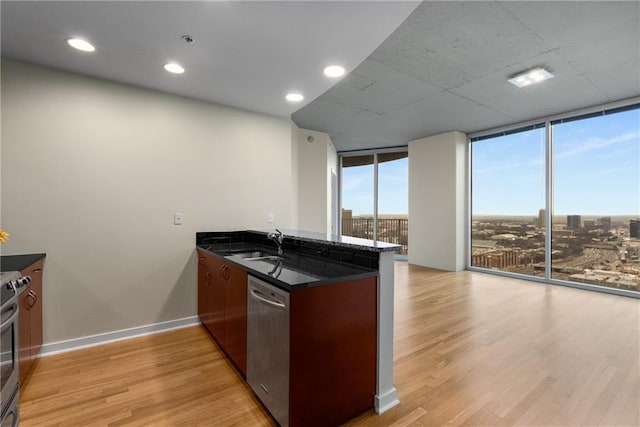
x=268 y=347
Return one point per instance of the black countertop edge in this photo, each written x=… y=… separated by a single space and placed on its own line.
x=361 y=274
x=335 y=240
x=19 y=262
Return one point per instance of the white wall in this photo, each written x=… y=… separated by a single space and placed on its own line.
x=316 y=159
x=92 y=172
x=437 y=202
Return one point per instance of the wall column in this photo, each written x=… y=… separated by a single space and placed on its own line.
x=437 y=201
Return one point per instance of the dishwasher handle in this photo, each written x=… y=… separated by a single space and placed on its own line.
x=265 y=298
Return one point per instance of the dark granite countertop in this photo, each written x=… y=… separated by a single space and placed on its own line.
x=19 y=262
x=349 y=250
x=293 y=271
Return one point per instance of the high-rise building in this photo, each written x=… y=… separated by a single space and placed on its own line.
x=540 y=223
x=605 y=222
x=574 y=222
x=634 y=228
x=500 y=259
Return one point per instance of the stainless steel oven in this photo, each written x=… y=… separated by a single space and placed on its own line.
x=9 y=394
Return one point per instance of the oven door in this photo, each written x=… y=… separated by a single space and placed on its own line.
x=9 y=350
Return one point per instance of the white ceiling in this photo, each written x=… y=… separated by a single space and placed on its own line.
x=443 y=68
x=246 y=54
x=446 y=68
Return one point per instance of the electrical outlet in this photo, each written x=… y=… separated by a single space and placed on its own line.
x=270 y=218
x=177 y=218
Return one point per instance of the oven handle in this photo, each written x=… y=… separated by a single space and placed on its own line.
x=11 y=319
x=16 y=419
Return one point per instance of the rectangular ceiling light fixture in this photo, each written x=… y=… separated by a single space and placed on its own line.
x=530 y=77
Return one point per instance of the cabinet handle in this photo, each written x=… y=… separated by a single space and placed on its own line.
x=37 y=270
x=208 y=278
x=35 y=298
x=28 y=305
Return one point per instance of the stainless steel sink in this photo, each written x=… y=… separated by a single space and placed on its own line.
x=257 y=255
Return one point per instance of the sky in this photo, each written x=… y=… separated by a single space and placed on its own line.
x=596 y=169
x=393 y=192
x=596 y=172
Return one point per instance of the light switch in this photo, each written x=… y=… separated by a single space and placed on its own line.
x=270 y=218
x=177 y=218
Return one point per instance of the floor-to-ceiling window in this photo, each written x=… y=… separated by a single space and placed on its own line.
x=560 y=200
x=508 y=200
x=393 y=199
x=596 y=196
x=357 y=191
x=375 y=203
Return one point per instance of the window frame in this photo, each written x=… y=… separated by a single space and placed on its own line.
x=374 y=153
x=547 y=123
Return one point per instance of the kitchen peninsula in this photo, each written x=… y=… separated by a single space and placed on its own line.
x=338 y=294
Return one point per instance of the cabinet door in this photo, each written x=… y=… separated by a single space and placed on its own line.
x=333 y=352
x=217 y=304
x=35 y=271
x=236 y=316
x=25 y=300
x=204 y=289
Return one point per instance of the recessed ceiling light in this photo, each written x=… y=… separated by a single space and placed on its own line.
x=334 y=71
x=530 y=77
x=174 y=68
x=294 y=97
x=80 y=44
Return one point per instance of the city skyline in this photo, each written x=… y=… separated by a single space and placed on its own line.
x=624 y=217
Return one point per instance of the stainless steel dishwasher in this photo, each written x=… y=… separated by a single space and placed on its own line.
x=268 y=347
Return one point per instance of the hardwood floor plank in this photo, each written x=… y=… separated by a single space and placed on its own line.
x=410 y=418
x=470 y=349
x=630 y=414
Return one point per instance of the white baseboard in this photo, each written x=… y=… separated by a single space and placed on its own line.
x=385 y=401
x=123 y=334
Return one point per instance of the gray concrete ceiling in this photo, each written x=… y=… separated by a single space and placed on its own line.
x=246 y=54
x=446 y=68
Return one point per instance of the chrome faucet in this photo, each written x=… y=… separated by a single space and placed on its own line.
x=277 y=238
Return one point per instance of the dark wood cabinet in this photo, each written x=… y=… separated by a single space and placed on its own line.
x=217 y=322
x=222 y=305
x=235 y=279
x=333 y=347
x=204 y=289
x=30 y=320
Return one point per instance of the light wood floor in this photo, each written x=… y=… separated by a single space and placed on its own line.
x=470 y=349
